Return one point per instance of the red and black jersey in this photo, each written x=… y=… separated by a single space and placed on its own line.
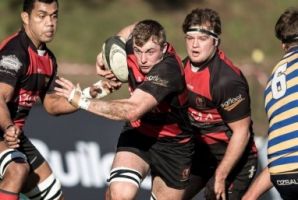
x=166 y=83
x=28 y=70
x=218 y=94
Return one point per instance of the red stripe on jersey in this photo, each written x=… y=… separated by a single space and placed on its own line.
x=19 y=122
x=183 y=98
x=213 y=138
x=40 y=64
x=186 y=140
x=133 y=65
x=4 y=42
x=228 y=62
x=198 y=82
x=169 y=130
x=172 y=51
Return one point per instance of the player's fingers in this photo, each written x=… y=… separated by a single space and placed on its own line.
x=61 y=92
x=223 y=196
x=9 y=138
x=115 y=84
x=108 y=74
x=13 y=144
x=68 y=84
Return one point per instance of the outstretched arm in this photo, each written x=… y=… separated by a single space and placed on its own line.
x=129 y=109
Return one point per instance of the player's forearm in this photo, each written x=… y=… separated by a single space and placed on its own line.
x=56 y=105
x=233 y=153
x=260 y=185
x=116 y=110
x=5 y=119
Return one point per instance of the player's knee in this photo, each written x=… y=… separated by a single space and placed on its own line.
x=13 y=165
x=17 y=171
x=124 y=183
x=119 y=194
x=49 y=189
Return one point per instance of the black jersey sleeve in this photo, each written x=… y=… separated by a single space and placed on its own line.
x=52 y=81
x=232 y=96
x=164 y=79
x=12 y=66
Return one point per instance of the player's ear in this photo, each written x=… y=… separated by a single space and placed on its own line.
x=216 y=42
x=164 y=48
x=25 y=17
x=284 y=46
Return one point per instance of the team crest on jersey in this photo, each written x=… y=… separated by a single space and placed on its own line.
x=10 y=63
x=200 y=102
x=185 y=174
x=232 y=103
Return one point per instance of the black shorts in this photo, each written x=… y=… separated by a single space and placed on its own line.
x=35 y=159
x=286 y=185
x=167 y=157
x=207 y=158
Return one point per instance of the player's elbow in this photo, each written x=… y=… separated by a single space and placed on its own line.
x=133 y=114
x=52 y=111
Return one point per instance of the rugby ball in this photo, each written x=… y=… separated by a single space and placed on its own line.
x=114 y=57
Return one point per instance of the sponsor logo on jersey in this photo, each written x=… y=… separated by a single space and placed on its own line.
x=287 y=182
x=10 y=63
x=231 y=103
x=157 y=80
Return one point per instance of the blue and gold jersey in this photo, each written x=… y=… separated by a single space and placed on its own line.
x=281 y=105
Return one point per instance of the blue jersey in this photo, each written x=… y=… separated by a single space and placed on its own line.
x=281 y=105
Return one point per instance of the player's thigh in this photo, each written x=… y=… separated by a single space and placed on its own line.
x=197 y=183
x=130 y=160
x=161 y=191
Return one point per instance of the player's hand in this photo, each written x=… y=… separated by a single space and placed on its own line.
x=11 y=136
x=65 y=89
x=102 y=70
x=107 y=85
x=215 y=190
x=72 y=93
x=220 y=188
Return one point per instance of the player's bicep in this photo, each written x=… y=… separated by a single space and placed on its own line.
x=142 y=101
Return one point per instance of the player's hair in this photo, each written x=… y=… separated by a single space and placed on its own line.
x=286 y=27
x=146 y=29
x=28 y=5
x=204 y=16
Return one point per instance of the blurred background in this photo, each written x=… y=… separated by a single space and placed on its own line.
x=247 y=35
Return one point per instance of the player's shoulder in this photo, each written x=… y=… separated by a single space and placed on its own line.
x=13 y=54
